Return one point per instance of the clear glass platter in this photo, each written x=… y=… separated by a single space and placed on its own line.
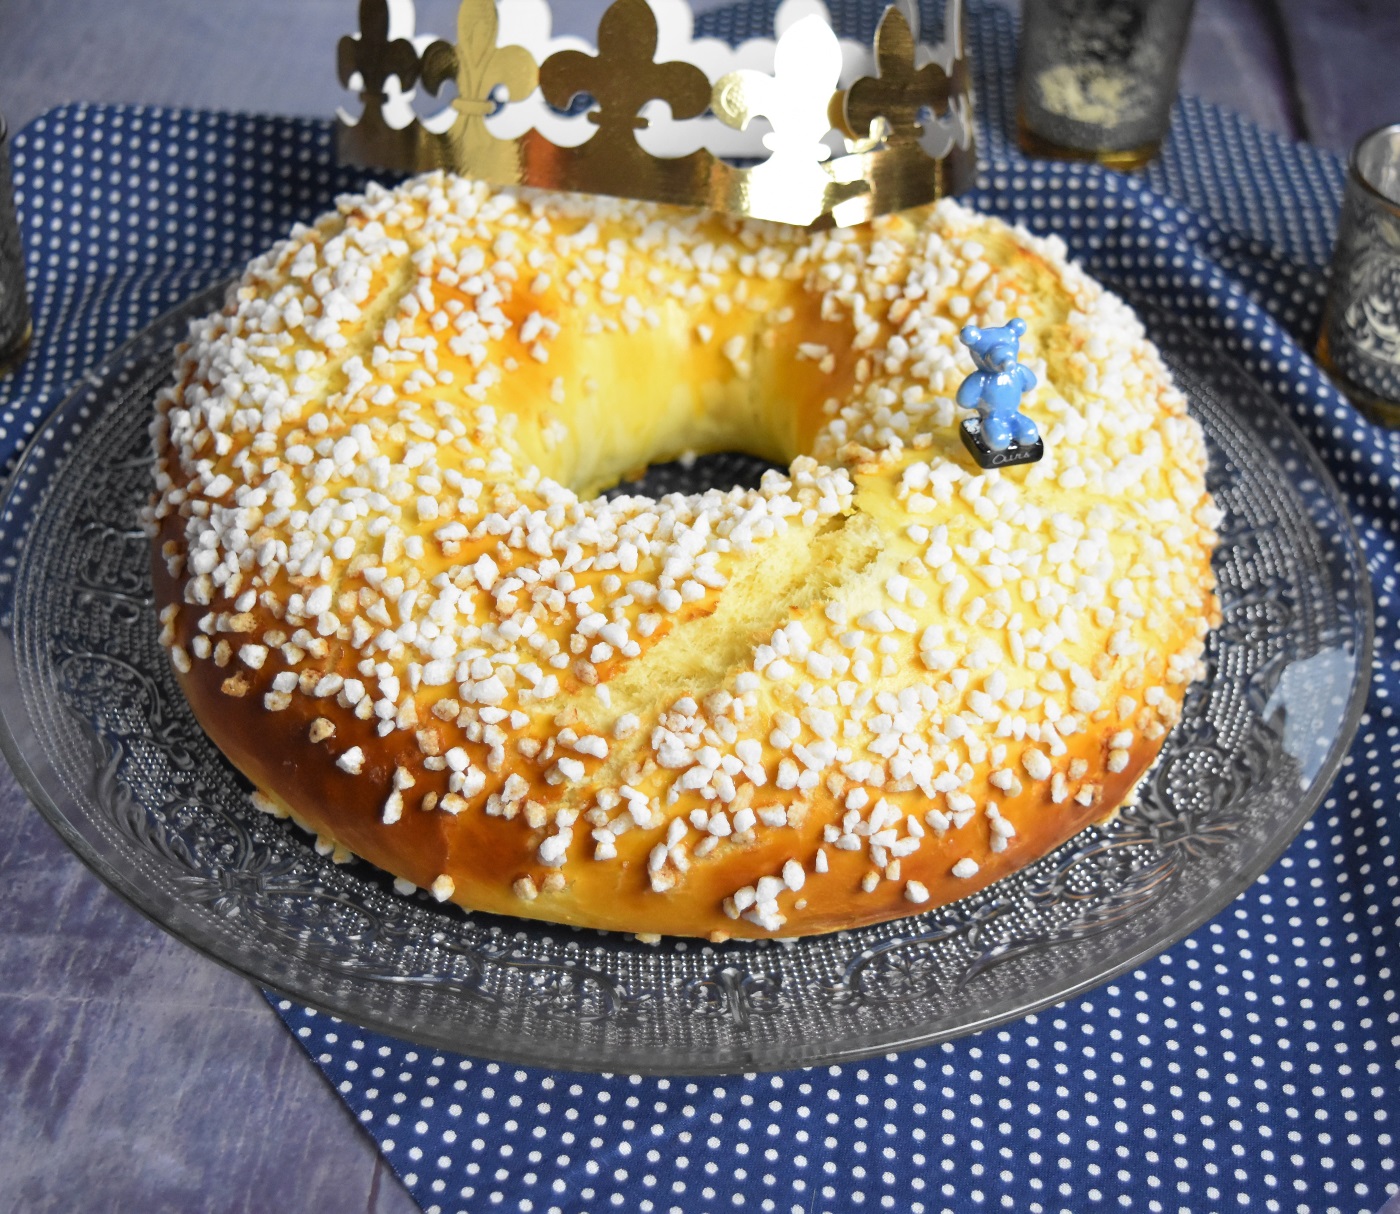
x=98 y=733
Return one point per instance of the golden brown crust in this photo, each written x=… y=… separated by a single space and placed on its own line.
x=1109 y=540
x=486 y=857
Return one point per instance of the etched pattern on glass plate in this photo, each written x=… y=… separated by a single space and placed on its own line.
x=99 y=733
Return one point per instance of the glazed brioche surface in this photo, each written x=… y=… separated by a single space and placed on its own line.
x=874 y=684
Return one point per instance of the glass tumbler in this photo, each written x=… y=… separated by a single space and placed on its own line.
x=15 y=328
x=1360 y=342
x=1097 y=78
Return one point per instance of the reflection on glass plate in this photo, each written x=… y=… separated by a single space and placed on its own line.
x=99 y=734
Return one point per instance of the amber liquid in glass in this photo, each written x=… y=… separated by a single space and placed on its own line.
x=1123 y=159
x=1382 y=412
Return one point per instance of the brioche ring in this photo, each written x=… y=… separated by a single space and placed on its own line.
x=396 y=601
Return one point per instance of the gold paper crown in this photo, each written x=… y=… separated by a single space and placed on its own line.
x=901 y=130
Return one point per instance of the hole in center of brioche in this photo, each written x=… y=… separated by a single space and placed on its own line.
x=695 y=474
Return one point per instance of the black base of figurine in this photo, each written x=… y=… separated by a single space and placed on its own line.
x=971 y=431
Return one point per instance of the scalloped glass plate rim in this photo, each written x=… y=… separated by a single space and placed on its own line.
x=35 y=775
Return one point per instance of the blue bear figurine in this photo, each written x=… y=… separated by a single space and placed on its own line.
x=996 y=387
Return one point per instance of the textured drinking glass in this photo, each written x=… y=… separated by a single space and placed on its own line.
x=1360 y=341
x=14 y=303
x=1097 y=78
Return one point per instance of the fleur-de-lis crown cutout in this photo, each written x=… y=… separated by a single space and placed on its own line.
x=899 y=93
x=624 y=75
x=375 y=57
x=794 y=99
x=645 y=52
x=477 y=64
x=480 y=68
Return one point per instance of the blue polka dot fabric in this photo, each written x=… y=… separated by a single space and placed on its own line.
x=1254 y=1066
